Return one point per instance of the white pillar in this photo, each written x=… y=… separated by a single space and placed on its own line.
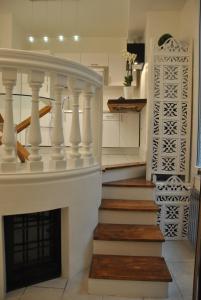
x=36 y=79
x=76 y=87
x=87 y=139
x=9 y=160
x=58 y=160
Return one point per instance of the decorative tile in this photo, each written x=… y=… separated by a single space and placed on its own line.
x=173 y=197
x=171 y=108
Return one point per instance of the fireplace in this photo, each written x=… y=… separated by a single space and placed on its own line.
x=32 y=248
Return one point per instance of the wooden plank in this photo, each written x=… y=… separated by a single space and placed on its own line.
x=129 y=205
x=122 y=166
x=24 y=124
x=125 y=232
x=22 y=152
x=132 y=182
x=138 y=268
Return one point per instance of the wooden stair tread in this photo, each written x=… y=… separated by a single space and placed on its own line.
x=128 y=232
x=138 y=268
x=129 y=205
x=132 y=182
x=122 y=166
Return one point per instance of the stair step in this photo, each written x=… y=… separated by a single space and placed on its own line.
x=128 y=232
x=132 y=182
x=129 y=205
x=140 y=268
x=129 y=276
x=122 y=166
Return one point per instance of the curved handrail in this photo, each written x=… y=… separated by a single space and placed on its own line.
x=45 y=62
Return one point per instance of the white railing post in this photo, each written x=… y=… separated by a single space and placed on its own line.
x=58 y=160
x=36 y=79
x=87 y=139
x=9 y=161
x=76 y=87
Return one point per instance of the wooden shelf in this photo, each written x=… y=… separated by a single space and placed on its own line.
x=123 y=105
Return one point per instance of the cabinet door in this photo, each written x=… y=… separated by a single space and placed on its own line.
x=129 y=129
x=94 y=59
x=117 y=68
x=110 y=130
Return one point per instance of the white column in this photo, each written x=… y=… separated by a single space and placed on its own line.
x=58 y=160
x=9 y=160
x=76 y=87
x=87 y=139
x=36 y=79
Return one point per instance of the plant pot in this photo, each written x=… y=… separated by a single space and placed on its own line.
x=128 y=92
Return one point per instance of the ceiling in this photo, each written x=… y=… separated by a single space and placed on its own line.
x=88 y=18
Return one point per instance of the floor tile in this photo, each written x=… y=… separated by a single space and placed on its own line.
x=57 y=283
x=81 y=297
x=183 y=274
x=38 y=293
x=15 y=295
x=178 y=251
x=119 y=298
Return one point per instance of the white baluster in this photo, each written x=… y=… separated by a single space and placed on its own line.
x=58 y=160
x=36 y=79
x=87 y=126
x=9 y=143
x=76 y=87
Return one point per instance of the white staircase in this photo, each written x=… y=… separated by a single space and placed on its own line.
x=127 y=243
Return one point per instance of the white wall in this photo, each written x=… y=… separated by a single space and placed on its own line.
x=77 y=192
x=189 y=29
x=86 y=44
x=11 y=34
x=5 y=31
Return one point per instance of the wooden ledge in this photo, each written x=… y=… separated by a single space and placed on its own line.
x=123 y=105
x=122 y=166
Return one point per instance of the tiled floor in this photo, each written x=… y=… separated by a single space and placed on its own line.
x=180 y=259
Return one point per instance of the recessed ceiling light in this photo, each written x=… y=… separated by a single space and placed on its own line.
x=61 y=38
x=31 y=39
x=76 y=38
x=45 y=39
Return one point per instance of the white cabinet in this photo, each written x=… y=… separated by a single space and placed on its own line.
x=129 y=129
x=117 y=67
x=110 y=130
x=121 y=130
x=94 y=59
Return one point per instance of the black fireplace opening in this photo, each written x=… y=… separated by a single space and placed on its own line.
x=32 y=248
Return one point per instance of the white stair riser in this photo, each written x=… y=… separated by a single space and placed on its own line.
x=124 y=173
x=127 y=217
x=131 y=248
x=127 y=193
x=127 y=288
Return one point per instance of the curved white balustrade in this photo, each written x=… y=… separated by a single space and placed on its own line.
x=62 y=73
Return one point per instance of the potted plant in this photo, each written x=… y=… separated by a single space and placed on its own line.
x=128 y=78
